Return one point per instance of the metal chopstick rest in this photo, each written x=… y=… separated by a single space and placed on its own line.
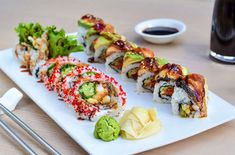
x=47 y=146
x=17 y=138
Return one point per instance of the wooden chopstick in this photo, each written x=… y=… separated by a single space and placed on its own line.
x=40 y=140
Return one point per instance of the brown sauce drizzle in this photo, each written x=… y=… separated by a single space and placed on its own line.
x=122 y=45
x=99 y=27
x=150 y=64
x=197 y=83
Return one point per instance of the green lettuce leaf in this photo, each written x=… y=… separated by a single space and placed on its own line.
x=60 y=44
x=24 y=30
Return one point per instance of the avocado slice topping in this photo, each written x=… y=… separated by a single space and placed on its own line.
x=101 y=41
x=185 y=71
x=85 y=24
x=131 y=57
x=161 y=61
x=91 y=31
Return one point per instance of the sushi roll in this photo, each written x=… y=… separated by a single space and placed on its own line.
x=94 y=97
x=190 y=97
x=115 y=53
x=102 y=43
x=44 y=72
x=71 y=78
x=29 y=56
x=63 y=67
x=165 y=82
x=131 y=62
x=23 y=53
x=84 y=24
x=146 y=75
x=93 y=33
x=32 y=46
x=42 y=52
x=37 y=69
x=148 y=69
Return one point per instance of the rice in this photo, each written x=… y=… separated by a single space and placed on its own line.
x=110 y=59
x=37 y=68
x=179 y=97
x=88 y=42
x=81 y=34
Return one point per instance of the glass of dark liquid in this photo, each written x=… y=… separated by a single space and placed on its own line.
x=223 y=31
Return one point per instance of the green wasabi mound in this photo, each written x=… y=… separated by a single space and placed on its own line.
x=107 y=129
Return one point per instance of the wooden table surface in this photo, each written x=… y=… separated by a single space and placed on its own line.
x=190 y=50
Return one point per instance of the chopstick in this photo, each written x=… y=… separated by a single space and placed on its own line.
x=40 y=140
x=16 y=138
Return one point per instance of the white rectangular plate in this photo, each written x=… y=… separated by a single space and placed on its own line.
x=174 y=127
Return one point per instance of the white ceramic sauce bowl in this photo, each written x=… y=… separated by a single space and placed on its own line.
x=160 y=39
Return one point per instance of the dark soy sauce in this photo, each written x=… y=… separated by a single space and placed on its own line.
x=160 y=30
x=223 y=28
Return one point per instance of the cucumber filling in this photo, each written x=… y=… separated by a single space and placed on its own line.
x=166 y=91
x=66 y=69
x=184 y=110
x=132 y=73
x=87 y=90
x=88 y=74
x=50 y=69
x=117 y=64
x=149 y=83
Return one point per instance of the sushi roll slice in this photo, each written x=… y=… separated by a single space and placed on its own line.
x=148 y=69
x=23 y=53
x=33 y=45
x=190 y=97
x=165 y=82
x=93 y=33
x=94 y=97
x=102 y=43
x=71 y=78
x=45 y=71
x=62 y=67
x=115 y=53
x=84 y=24
x=146 y=75
x=37 y=69
x=29 y=56
x=132 y=61
x=42 y=51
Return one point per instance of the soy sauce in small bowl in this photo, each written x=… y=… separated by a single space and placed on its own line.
x=160 y=30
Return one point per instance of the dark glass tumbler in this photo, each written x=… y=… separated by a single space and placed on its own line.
x=222 y=45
